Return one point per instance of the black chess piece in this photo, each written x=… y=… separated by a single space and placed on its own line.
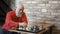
x=35 y=28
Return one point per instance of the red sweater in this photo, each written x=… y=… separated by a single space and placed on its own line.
x=12 y=20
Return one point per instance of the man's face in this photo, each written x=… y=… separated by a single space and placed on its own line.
x=20 y=10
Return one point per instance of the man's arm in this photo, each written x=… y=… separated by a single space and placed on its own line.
x=9 y=20
x=24 y=19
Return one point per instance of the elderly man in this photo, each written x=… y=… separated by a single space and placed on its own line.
x=13 y=18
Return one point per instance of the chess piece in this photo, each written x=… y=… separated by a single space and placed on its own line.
x=35 y=28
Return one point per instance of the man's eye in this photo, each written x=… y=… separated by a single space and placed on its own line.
x=20 y=9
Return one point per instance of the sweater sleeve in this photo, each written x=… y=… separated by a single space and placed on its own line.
x=24 y=19
x=9 y=21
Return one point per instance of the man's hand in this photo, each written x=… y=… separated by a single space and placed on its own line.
x=13 y=28
x=23 y=24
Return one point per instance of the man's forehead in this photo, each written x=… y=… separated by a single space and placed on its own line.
x=21 y=5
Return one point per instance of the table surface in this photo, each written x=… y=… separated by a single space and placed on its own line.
x=46 y=26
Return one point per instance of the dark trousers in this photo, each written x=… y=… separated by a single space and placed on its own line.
x=3 y=31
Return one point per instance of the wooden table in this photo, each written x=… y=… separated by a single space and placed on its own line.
x=46 y=26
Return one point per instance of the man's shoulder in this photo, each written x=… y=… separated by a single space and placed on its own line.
x=13 y=11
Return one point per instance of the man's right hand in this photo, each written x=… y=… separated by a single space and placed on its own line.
x=13 y=28
x=23 y=24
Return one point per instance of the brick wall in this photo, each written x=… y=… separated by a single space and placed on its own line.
x=38 y=10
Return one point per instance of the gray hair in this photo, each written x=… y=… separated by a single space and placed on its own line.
x=17 y=5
